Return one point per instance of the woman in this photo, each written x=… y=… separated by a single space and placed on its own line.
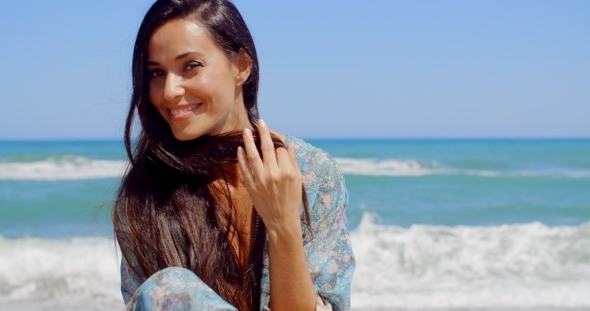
x=215 y=213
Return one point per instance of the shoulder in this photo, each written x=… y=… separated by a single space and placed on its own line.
x=312 y=160
x=322 y=178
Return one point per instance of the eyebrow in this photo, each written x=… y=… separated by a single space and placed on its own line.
x=181 y=56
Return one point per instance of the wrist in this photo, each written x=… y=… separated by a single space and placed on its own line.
x=284 y=232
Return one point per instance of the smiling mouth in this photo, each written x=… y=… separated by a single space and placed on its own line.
x=177 y=112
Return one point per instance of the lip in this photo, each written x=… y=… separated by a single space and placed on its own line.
x=182 y=112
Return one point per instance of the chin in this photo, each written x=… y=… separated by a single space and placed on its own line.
x=183 y=135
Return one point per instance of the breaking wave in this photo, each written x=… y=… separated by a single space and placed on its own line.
x=74 y=167
x=525 y=266
x=62 y=168
x=388 y=167
x=433 y=267
x=410 y=167
x=69 y=271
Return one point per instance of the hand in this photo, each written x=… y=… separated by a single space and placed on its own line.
x=275 y=184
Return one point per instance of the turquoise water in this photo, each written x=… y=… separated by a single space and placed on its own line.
x=436 y=224
x=472 y=182
x=60 y=188
x=60 y=207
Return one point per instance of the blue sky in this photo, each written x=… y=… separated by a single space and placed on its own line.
x=395 y=69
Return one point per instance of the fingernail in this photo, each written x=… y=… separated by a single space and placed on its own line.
x=261 y=123
x=247 y=132
x=240 y=150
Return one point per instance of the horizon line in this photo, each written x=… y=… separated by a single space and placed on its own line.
x=330 y=138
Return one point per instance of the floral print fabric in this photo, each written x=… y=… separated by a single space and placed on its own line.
x=327 y=247
x=176 y=289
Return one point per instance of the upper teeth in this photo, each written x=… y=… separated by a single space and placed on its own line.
x=181 y=111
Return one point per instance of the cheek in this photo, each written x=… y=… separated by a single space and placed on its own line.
x=215 y=90
x=225 y=89
x=154 y=94
x=219 y=82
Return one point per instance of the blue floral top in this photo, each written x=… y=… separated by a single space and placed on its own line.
x=328 y=250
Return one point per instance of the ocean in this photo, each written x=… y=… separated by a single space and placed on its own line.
x=435 y=224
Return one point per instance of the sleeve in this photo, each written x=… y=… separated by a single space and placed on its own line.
x=130 y=282
x=328 y=249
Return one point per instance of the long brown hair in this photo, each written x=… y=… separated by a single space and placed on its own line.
x=167 y=212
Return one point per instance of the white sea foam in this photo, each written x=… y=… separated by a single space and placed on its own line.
x=411 y=167
x=388 y=167
x=79 y=270
x=62 y=168
x=432 y=267
x=75 y=167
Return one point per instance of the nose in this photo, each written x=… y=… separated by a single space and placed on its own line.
x=173 y=87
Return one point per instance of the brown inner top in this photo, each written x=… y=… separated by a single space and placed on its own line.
x=242 y=215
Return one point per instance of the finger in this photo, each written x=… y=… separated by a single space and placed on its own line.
x=245 y=168
x=283 y=159
x=267 y=146
x=254 y=161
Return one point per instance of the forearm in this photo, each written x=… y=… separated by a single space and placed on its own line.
x=275 y=186
x=291 y=287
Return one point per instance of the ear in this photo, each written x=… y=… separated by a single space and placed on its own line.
x=242 y=65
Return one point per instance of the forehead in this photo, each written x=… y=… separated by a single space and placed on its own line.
x=178 y=37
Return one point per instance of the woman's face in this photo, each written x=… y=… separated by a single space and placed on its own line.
x=194 y=85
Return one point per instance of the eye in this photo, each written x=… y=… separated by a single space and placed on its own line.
x=156 y=73
x=193 y=65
